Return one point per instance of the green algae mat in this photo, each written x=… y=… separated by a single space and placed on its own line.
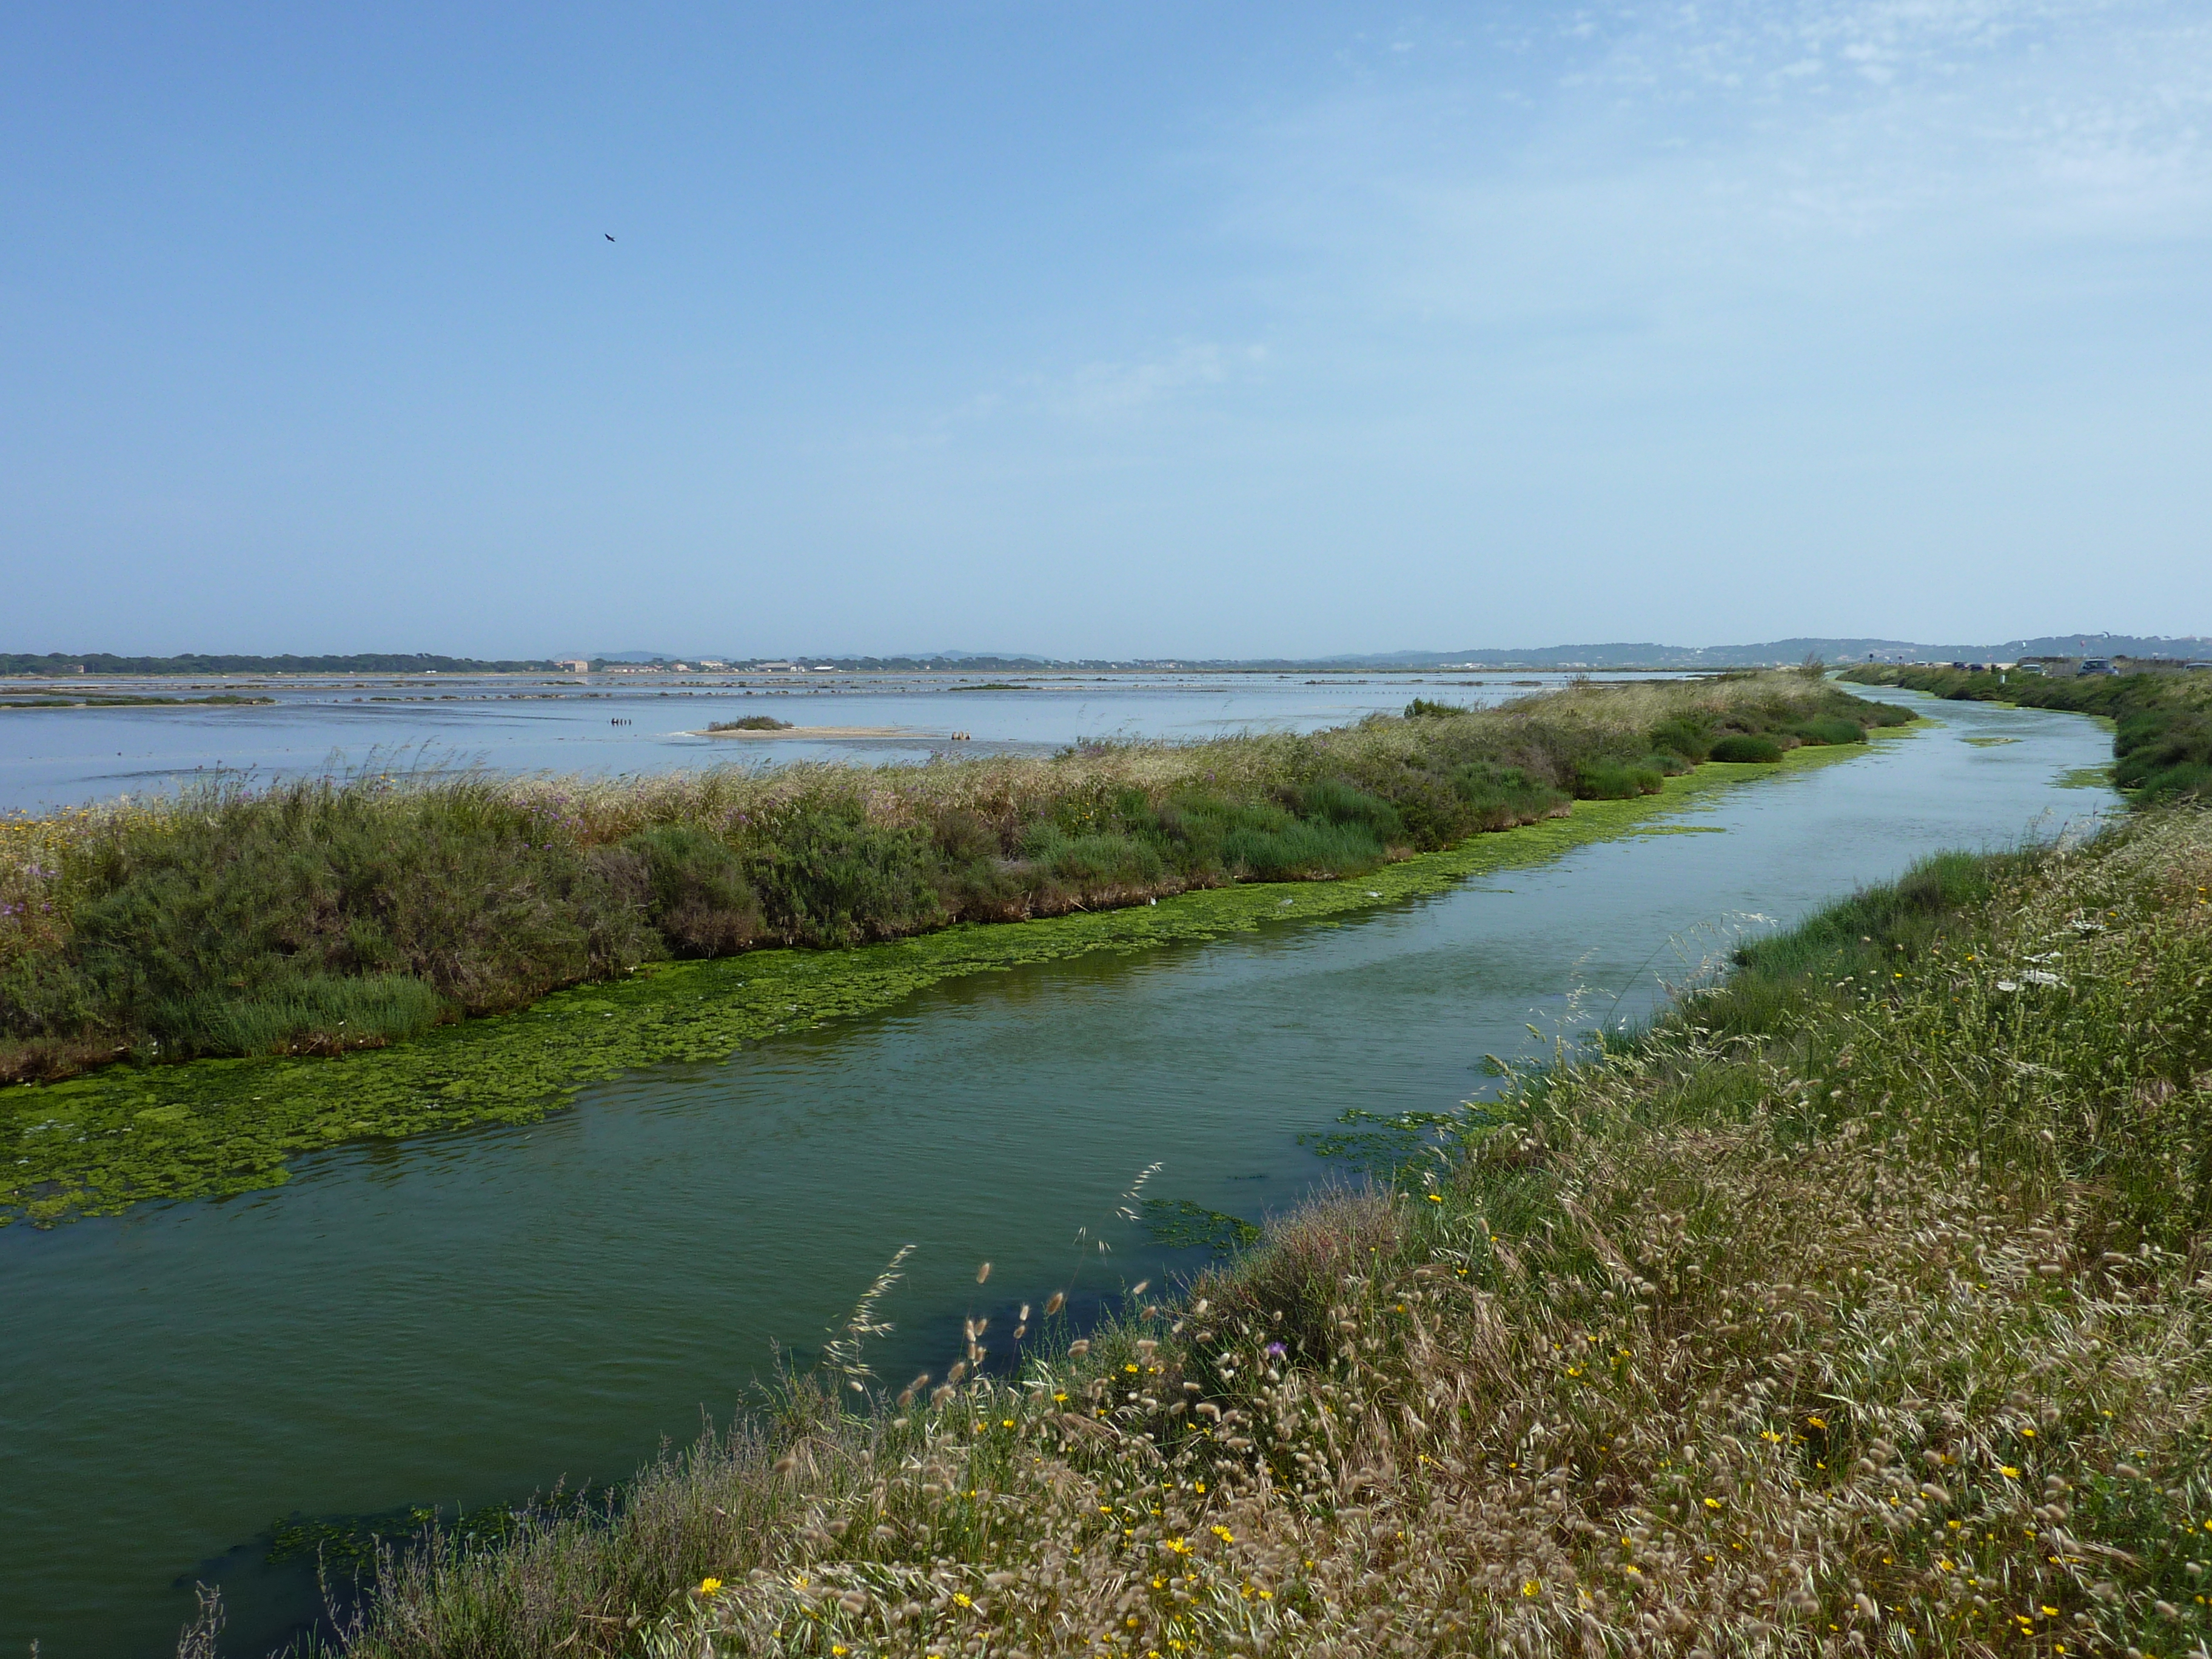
x=98 y=1144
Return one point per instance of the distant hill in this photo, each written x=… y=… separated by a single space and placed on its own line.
x=102 y=662
x=1776 y=652
x=1613 y=655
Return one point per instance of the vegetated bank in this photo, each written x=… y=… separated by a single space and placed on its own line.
x=2162 y=741
x=127 y=1132
x=1861 y=1305
x=323 y=914
x=43 y=700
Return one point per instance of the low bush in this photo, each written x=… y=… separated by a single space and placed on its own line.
x=1497 y=797
x=697 y=896
x=1331 y=800
x=315 y=1013
x=1738 y=748
x=1618 y=780
x=1828 y=729
x=750 y=723
x=1684 y=736
x=831 y=875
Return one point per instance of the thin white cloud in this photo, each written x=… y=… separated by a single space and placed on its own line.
x=1103 y=391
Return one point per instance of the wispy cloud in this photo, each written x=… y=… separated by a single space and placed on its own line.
x=1108 y=390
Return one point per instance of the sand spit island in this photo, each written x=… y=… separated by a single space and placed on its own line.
x=764 y=725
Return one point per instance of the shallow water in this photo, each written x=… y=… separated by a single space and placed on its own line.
x=469 y=1317
x=63 y=757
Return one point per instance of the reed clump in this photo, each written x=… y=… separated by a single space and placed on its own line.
x=329 y=914
x=1863 y=1305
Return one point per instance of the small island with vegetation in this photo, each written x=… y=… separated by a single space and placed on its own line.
x=750 y=723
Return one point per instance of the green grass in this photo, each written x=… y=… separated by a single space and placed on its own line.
x=750 y=723
x=1870 y=1318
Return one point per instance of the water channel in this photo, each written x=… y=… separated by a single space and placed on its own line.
x=467 y=1318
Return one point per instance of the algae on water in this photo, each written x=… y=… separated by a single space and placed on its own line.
x=1183 y=1224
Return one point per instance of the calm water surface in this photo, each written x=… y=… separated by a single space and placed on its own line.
x=614 y=724
x=466 y=1318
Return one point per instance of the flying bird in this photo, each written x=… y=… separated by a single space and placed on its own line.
x=608 y=234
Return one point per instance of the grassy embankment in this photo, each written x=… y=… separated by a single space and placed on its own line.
x=1861 y=1305
x=2162 y=735
x=260 y=922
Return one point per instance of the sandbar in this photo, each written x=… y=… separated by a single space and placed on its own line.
x=820 y=731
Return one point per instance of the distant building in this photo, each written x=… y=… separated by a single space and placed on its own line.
x=574 y=664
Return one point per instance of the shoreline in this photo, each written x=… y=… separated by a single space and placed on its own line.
x=103 y=1143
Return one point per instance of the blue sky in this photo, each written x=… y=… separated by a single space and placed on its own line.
x=1101 y=330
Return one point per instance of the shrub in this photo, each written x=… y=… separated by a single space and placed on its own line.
x=1738 y=747
x=2185 y=780
x=1206 y=836
x=961 y=837
x=1301 y=848
x=1333 y=801
x=315 y=1013
x=994 y=889
x=1094 y=863
x=1423 y=709
x=1828 y=729
x=247 y=899
x=1498 y=797
x=2161 y=743
x=1690 y=739
x=1616 y=780
x=698 y=896
x=750 y=723
x=830 y=876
